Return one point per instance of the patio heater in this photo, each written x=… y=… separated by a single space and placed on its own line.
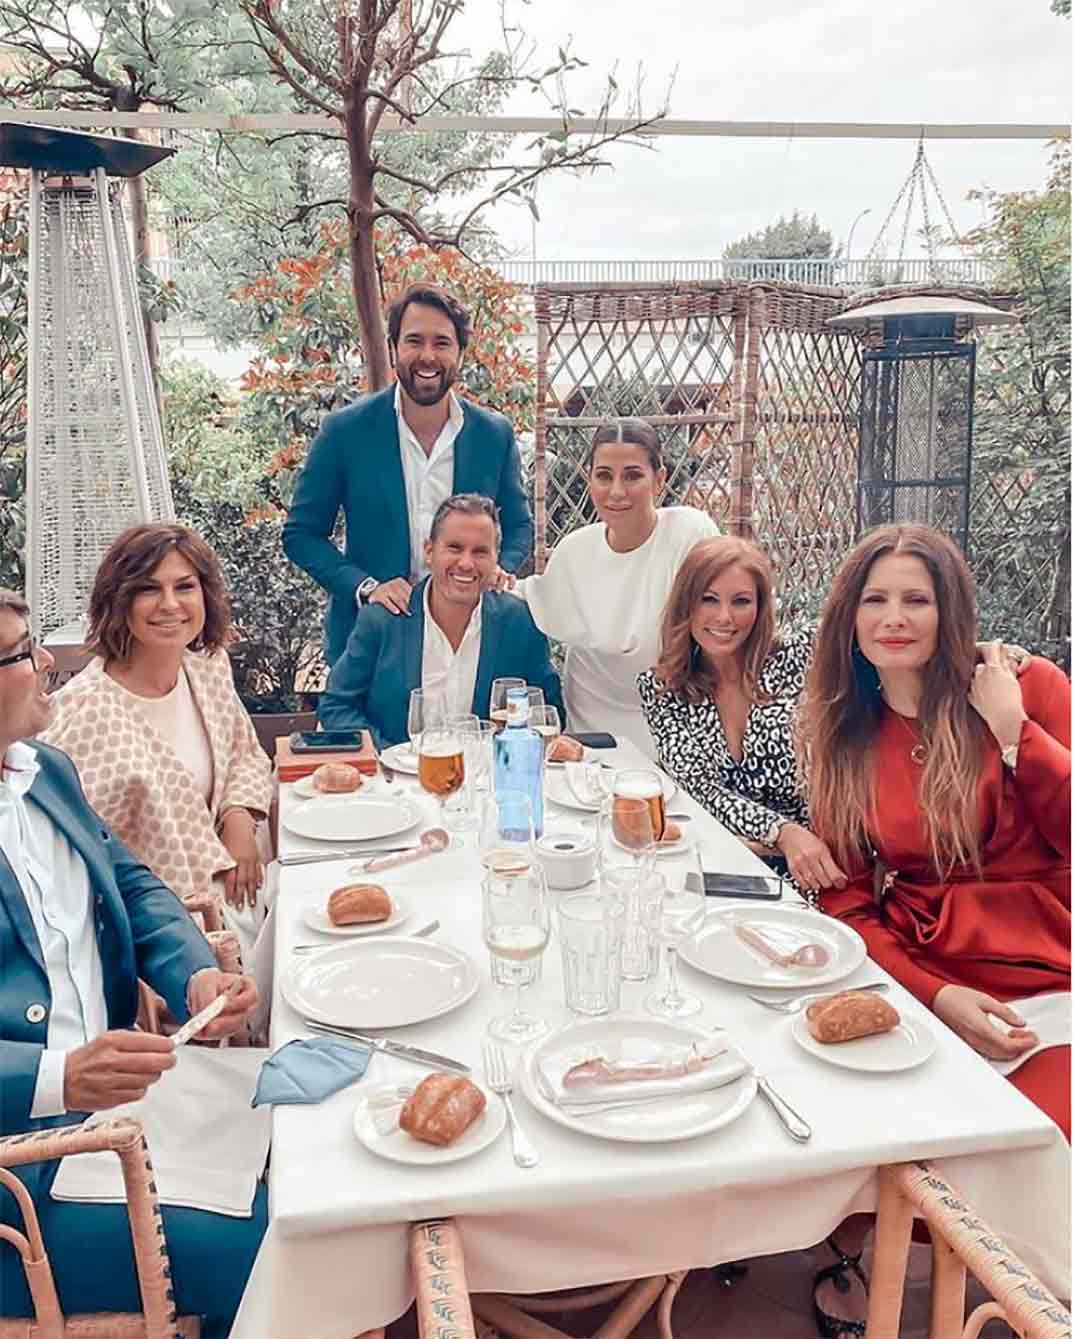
x=95 y=453
x=915 y=425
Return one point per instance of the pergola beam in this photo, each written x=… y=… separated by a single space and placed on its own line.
x=536 y=125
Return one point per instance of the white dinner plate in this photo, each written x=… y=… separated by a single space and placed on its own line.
x=677 y=1116
x=315 y=914
x=380 y=982
x=558 y=791
x=904 y=1047
x=401 y=758
x=402 y=1147
x=352 y=818
x=304 y=788
x=717 y=950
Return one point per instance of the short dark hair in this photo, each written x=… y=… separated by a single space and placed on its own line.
x=467 y=504
x=633 y=430
x=131 y=558
x=428 y=295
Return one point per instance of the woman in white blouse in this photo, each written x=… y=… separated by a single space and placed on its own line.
x=167 y=754
x=605 y=586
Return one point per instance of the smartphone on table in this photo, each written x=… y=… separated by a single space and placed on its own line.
x=754 y=887
x=327 y=741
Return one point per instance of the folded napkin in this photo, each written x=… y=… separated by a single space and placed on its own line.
x=309 y=1071
x=208 y=1148
x=1046 y=1015
x=710 y=1065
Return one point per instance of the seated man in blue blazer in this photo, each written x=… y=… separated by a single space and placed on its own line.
x=80 y=921
x=453 y=642
x=390 y=459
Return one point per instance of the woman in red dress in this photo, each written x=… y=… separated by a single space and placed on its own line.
x=943 y=788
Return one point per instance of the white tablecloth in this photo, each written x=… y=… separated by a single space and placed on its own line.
x=334 y=1260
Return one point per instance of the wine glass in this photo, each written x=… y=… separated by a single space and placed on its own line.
x=423 y=709
x=515 y=926
x=506 y=840
x=545 y=721
x=636 y=813
x=465 y=817
x=441 y=769
x=680 y=910
x=498 y=699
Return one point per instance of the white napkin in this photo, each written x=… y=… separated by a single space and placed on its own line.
x=1046 y=1015
x=724 y=1069
x=207 y=1146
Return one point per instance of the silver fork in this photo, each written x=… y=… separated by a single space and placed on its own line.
x=798 y=1002
x=499 y=1080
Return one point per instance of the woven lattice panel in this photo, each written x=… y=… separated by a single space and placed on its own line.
x=804 y=468
x=665 y=354
x=95 y=461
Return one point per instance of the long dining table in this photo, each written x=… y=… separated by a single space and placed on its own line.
x=334 y=1261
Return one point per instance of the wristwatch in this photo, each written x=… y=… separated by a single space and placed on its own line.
x=771 y=837
x=366 y=589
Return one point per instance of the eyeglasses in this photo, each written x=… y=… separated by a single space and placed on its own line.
x=29 y=654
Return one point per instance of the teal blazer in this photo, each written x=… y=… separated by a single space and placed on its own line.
x=370 y=685
x=143 y=930
x=354 y=464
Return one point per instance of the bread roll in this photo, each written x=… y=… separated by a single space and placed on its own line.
x=440 y=1108
x=672 y=832
x=336 y=778
x=849 y=1015
x=565 y=749
x=359 y=904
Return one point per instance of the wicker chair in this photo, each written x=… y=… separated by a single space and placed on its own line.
x=444 y=1303
x=153 y=1013
x=960 y=1241
x=157 y=1319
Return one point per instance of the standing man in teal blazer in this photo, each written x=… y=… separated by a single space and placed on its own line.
x=458 y=638
x=390 y=459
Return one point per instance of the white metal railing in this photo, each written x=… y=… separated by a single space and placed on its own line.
x=825 y=273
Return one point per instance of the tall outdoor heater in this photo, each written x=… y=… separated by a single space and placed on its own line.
x=95 y=453
x=916 y=418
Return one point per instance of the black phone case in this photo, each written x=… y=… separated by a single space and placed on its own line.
x=594 y=739
x=299 y=745
x=766 y=896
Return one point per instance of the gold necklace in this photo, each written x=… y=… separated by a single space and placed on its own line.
x=919 y=753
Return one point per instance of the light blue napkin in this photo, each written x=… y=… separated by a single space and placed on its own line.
x=310 y=1071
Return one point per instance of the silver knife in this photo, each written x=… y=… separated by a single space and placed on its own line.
x=397 y=1048
x=349 y=853
x=790 y=1119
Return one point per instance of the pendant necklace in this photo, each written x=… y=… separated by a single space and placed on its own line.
x=919 y=751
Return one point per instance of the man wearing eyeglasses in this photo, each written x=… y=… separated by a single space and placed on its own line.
x=80 y=921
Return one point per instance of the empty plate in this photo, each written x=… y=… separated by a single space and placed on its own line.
x=717 y=950
x=909 y=1044
x=380 y=982
x=315 y=914
x=352 y=818
x=402 y=1147
x=678 y=1115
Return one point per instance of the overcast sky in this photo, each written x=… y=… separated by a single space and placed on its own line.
x=787 y=60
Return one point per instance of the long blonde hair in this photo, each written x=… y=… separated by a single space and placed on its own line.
x=679 y=669
x=842 y=708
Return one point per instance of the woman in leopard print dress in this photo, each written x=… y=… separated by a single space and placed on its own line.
x=721 y=701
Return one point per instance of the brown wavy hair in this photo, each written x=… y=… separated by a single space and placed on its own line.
x=133 y=556
x=680 y=668
x=842 y=707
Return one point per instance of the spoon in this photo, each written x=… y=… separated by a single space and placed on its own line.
x=809 y=955
x=431 y=842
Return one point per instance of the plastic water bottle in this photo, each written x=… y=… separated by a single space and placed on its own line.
x=518 y=758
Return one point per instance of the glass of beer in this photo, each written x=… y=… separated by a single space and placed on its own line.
x=637 y=812
x=498 y=700
x=515 y=926
x=441 y=769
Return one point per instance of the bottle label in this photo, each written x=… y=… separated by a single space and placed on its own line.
x=518 y=708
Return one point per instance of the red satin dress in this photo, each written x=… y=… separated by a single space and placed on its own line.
x=1007 y=930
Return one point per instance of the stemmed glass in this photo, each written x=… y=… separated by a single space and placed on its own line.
x=636 y=814
x=681 y=907
x=498 y=699
x=423 y=709
x=515 y=925
x=545 y=720
x=506 y=838
x=468 y=727
x=441 y=769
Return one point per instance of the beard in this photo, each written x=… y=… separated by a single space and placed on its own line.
x=426 y=392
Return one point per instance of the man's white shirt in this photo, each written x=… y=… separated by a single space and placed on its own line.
x=448 y=673
x=429 y=479
x=55 y=882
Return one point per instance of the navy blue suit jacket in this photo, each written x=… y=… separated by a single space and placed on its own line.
x=142 y=928
x=354 y=463
x=370 y=685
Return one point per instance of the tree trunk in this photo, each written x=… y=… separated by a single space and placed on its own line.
x=140 y=217
x=361 y=244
